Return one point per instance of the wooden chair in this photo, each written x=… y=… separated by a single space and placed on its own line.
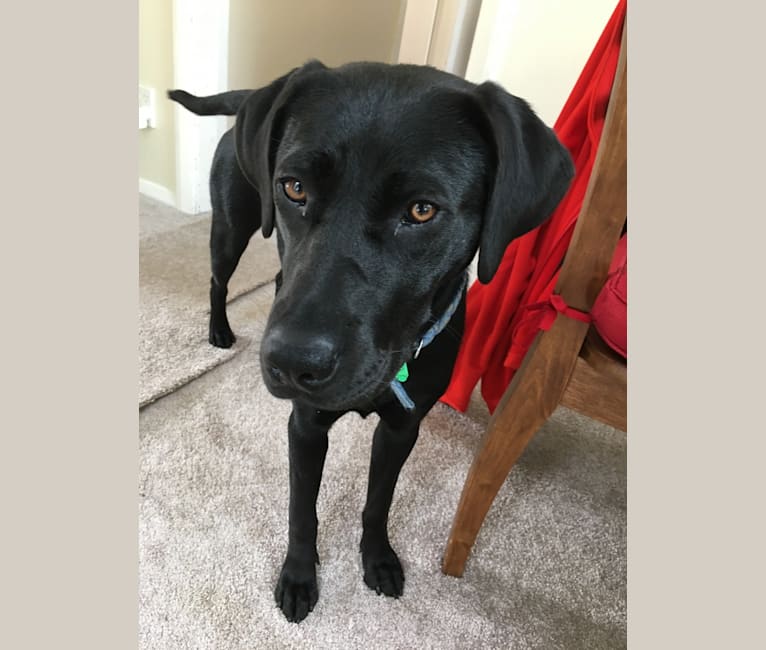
x=567 y=364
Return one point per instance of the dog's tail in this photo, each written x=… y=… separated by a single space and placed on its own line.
x=221 y=104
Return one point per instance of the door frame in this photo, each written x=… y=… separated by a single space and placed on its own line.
x=200 y=66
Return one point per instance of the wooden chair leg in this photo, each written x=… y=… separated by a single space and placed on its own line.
x=528 y=402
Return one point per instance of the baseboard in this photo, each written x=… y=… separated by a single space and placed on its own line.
x=157 y=192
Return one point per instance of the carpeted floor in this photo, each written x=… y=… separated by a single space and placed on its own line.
x=174 y=285
x=548 y=570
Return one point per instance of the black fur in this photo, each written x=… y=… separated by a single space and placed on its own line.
x=227 y=103
x=361 y=282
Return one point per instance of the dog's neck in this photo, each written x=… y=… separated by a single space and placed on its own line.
x=448 y=293
x=456 y=288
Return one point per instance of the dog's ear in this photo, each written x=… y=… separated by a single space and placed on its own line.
x=257 y=133
x=532 y=173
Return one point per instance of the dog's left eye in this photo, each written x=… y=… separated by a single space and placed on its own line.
x=293 y=190
x=421 y=211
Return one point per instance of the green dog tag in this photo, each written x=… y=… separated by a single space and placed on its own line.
x=403 y=374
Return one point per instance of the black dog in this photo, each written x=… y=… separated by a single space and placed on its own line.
x=382 y=182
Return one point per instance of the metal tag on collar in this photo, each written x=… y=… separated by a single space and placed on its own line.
x=420 y=347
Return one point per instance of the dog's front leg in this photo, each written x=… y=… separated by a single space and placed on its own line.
x=296 y=592
x=390 y=448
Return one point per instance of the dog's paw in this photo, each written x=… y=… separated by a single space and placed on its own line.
x=296 y=592
x=382 y=570
x=221 y=337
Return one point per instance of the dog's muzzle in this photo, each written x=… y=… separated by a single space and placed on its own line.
x=295 y=364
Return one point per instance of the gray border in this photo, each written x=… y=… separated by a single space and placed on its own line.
x=70 y=299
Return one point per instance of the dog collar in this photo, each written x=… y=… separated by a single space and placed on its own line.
x=397 y=384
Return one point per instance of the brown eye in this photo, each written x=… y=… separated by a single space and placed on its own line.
x=422 y=211
x=294 y=190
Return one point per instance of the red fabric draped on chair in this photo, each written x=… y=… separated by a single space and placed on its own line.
x=503 y=317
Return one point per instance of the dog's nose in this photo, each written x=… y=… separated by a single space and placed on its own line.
x=304 y=362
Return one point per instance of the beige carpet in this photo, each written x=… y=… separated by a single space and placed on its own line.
x=174 y=285
x=548 y=570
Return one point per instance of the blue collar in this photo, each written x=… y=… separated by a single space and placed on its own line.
x=396 y=385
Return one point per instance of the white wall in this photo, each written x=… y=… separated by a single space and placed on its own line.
x=268 y=37
x=156 y=146
x=536 y=49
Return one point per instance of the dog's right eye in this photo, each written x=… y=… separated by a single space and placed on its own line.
x=293 y=190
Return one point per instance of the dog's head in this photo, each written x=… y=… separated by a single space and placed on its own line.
x=382 y=183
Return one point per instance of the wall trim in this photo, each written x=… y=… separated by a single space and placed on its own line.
x=416 y=30
x=200 y=66
x=157 y=192
x=491 y=41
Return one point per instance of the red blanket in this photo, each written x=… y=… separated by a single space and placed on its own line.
x=500 y=324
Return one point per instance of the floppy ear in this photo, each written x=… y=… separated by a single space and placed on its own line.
x=257 y=133
x=532 y=173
